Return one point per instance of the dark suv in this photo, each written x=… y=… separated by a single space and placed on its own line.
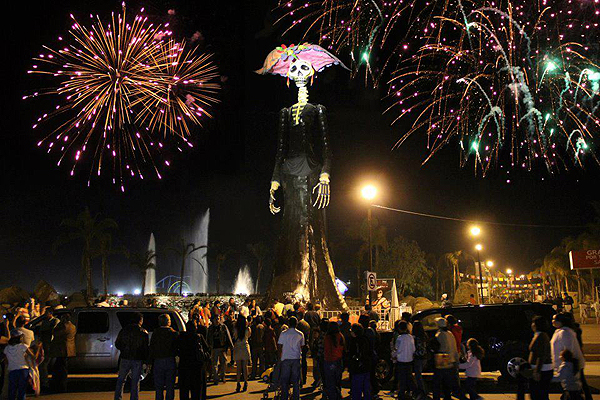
x=503 y=330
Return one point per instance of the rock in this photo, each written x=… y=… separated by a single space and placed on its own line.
x=44 y=292
x=13 y=294
x=422 y=303
x=77 y=299
x=409 y=300
x=464 y=291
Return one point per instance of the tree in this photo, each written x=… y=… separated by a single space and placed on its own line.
x=260 y=251
x=90 y=231
x=183 y=251
x=142 y=262
x=405 y=261
x=104 y=250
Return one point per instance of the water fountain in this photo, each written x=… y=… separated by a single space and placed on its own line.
x=243 y=282
x=199 y=236
x=150 y=280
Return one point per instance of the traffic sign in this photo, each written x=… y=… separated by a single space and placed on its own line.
x=371 y=280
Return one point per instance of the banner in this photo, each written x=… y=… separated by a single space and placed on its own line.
x=584 y=259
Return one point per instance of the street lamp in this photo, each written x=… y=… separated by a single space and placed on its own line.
x=509 y=271
x=369 y=192
x=475 y=230
x=479 y=247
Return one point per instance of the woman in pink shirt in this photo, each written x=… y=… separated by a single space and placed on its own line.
x=334 y=346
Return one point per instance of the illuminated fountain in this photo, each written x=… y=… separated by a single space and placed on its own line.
x=243 y=282
x=199 y=236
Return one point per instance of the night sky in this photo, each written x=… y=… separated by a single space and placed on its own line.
x=230 y=167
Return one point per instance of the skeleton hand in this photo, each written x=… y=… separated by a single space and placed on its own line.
x=274 y=186
x=322 y=189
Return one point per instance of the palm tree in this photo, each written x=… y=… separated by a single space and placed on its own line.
x=143 y=262
x=183 y=251
x=90 y=232
x=260 y=251
x=104 y=250
x=221 y=255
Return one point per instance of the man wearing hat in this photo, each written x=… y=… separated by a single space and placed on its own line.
x=62 y=348
x=445 y=370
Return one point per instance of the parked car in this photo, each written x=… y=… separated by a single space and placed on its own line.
x=97 y=330
x=503 y=330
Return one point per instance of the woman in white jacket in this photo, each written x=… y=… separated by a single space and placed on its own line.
x=472 y=367
x=564 y=338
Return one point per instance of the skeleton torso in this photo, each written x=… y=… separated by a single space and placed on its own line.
x=299 y=106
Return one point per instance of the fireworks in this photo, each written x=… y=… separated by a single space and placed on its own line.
x=122 y=90
x=515 y=83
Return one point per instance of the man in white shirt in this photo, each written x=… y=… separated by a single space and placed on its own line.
x=244 y=309
x=28 y=336
x=290 y=352
x=404 y=349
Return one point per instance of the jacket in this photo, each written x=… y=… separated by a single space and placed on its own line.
x=187 y=346
x=163 y=343
x=132 y=342
x=63 y=343
x=360 y=356
x=46 y=329
x=472 y=367
x=447 y=344
x=569 y=379
x=404 y=348
x=539 y=351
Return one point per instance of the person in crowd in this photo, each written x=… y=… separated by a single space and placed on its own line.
x=334 y=347
x=33 y=362
x=445 y=301
x=568 y=302
x=163 y=350
x=4 y=338
x=195 y=311
x=257 y=347
x=445 y=372
x=28 y=336
x=288 y=307
x=345 y=325
x=456 y=331
x=373 y=338
x=568 y=374
x=245 y=309
x=232 y=308
x=564 y=338
x=558 y=303
x=319 y=352
x=596 y=308
x=395 y=334
x=241 y=351
x=404 y=349
x=540 y=359
x=359 y=364
x=61 y=349
x=219 y=340
x=472 y=367
x=579 y=335
x=45 y=332
x=193 y=358
x=132 y=342
x=303 y=327
x=205 y=314
x=370 y=313
x=102 y=302
x=406 y=317
x=269 y=344
x=290 y=344
x=278 y=307
x=472 y=300
x=420 y=356
x=216 y=309
x=255 y=310
x=18 y=369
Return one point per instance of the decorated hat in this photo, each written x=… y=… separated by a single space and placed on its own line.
x=279 y=60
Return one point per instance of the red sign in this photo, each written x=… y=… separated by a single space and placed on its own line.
x=584 y=259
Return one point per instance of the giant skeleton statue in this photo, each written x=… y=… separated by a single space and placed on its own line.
x=303 y=268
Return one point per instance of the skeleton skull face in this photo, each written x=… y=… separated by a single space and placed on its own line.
x=300 y=71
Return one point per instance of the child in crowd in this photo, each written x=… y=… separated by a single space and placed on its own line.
x=569 y=376
x=18 y=369
x=472 y=367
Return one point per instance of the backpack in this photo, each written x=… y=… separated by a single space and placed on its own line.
x=201 y=352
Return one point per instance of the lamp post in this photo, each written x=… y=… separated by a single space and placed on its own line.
x=478 y=247
x=490 y=264
x=368 y=193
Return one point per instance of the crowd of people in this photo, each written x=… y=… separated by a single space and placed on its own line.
x=28 y=357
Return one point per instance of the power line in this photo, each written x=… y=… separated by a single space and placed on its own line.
x=476 y=222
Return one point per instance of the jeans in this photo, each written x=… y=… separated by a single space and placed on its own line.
x=304 y=364
x=217 y=358
x=470 y=388
x=316 y=372
x=445 y=380
x=135 y=366
x=17 y=383
x=290 y=374
x=164 y=378
x=192 y=379
x=404 y=378
x=270 y=358
x=60 y=373
x=258 y=355
x=539 y=389
x=333 y=380
x=43 y=368
x=418 y=366
x=360 y=386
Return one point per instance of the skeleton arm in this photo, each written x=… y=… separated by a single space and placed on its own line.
x=322 y=188
x=276 y=179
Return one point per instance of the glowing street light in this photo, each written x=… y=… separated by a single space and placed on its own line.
x=509 y=271
x=490 y=264
x=478 y=247
x=137 y=292
x=475 y=231
x=369 y=192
